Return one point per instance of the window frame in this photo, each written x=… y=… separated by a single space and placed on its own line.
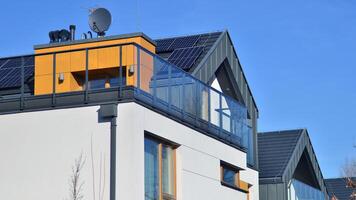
x=161 y=143
x=237 y=181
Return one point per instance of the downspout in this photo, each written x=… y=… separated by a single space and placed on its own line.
x=108 y=113
x=113 y=158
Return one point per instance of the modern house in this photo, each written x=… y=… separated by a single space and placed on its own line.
x=128 y=117
x=288 y=167
x=340 y=188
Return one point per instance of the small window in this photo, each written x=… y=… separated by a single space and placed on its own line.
x=229 y=176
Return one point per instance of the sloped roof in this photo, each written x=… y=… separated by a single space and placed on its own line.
x=337 y=187
x=183 y=47
x=275 y=150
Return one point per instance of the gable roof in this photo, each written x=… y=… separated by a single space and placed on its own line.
x=337 y=187
x=275 y=150
x=280 y=152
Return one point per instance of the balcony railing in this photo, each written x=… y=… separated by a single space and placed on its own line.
x=154 y=81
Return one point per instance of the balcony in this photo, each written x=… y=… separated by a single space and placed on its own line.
x=132 y=73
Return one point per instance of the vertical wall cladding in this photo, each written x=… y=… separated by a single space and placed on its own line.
x=223 y=50
x=273 y=192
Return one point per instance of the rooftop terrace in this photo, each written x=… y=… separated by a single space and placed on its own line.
x=111 y=73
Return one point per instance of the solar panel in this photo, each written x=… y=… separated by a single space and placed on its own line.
x=13 y=62
x=185 y=57
x=10 y=71
x=163 y=45
x=184 y=42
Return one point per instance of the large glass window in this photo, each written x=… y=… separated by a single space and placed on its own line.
x=301 y=191
x=159 y=170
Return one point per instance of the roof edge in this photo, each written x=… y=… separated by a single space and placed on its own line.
x=81 y=41
x=281 y=131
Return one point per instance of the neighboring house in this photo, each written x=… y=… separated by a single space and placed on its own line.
x=288 y=167
x=151 y=119
x=339 y=190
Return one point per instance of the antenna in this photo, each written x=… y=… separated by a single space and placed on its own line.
x=99 y=21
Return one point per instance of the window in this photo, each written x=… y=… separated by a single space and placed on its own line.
x=159 y=170
x=230 y=177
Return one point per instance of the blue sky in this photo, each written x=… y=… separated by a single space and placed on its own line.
x=299 y=56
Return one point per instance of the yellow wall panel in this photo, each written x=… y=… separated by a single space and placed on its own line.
x=45 y=65
x=43 y=84
x=62 y=62
x=77 y=61
x=101 y=58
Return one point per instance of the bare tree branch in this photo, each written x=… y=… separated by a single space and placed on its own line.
x=76 y=184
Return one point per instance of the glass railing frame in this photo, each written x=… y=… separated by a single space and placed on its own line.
x=139 y=48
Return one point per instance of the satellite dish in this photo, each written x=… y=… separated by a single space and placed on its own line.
x=99 y=20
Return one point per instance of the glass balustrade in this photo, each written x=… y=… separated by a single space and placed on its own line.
x=154 y=80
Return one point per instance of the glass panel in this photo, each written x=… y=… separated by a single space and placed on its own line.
x=189 y=95
x=203 y=101
x=168 y=170
x=226 y=113
x=146 y=70
x=160 y=81
x=301 y=191
x=151 y=170
x=229 y=176
x=177 y=81
x=214 y=107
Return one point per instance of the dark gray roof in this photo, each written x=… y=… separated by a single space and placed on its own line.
x=275 y=150
x=166 y=47
x=337 y=187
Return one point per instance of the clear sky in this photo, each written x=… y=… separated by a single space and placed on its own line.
x=299 y=56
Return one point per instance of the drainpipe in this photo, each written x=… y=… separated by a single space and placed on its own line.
x=113 y=159
x=108 y=113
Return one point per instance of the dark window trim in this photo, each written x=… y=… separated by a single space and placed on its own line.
x=161 y=139
x=230 y=166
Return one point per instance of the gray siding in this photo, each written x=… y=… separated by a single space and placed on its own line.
x=273 y=191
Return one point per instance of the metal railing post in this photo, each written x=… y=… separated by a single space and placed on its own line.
x=197 y=105
x=138 y=68
x=154 y=86
x=86 y=98
x=209 y=108
x=169 y=87
x=120 y=72
x=183 y=95
x=22 y=83
x=220 y=113
x=54 y=80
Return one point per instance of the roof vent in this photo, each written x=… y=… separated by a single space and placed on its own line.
x=62 y=35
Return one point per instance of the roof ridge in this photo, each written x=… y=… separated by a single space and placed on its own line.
x=281 y=131
x=188 y=34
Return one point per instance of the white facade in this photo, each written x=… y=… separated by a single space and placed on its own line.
x=38 y=149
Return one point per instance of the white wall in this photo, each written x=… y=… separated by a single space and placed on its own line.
x=198 y=157
x=38 y=150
